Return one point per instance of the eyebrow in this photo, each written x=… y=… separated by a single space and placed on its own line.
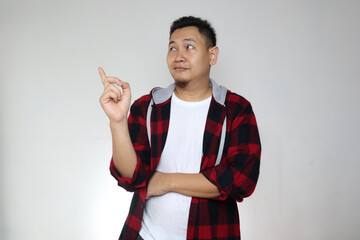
x=184 y=40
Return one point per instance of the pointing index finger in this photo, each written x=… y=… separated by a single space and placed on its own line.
x=102 y=74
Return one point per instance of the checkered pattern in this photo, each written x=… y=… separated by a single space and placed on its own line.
x=235 y=176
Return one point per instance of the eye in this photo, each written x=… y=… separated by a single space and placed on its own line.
x=189 y=47
x=172 y=49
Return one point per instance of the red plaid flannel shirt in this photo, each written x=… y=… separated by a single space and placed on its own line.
x=235 y=176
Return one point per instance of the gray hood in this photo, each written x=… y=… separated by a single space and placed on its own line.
x=160 y=95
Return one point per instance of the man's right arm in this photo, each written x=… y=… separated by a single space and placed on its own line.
x=124 y=155
x=116 y=105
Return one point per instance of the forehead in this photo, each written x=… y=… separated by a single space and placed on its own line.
x=187 y=33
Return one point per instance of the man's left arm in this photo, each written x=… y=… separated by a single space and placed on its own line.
x=235 y=176
x=189 y=184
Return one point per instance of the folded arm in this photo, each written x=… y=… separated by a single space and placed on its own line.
x=234 y=177
x=193 y=185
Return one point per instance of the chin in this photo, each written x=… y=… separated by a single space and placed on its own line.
x=180 y=82
x=180 y=78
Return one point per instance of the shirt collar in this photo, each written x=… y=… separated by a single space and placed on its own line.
x=160 y=95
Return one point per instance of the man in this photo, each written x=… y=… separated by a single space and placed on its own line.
x=189 y=151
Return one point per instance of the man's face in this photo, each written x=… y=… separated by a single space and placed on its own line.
x=188 y=57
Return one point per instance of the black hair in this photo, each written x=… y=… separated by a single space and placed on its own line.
x=204 y=27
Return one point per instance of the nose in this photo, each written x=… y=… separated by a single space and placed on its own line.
x=179 y=57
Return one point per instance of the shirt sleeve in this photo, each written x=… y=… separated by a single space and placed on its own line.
x=139 y=138
x=236 y=176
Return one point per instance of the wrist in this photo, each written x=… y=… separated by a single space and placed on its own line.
x=166 y=181
x=118 y=124
x=171 y=182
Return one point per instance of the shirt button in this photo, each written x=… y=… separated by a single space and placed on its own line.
x=142 y=206
x=137 y=222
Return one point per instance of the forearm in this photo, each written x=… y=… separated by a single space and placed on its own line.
x=194 y=185
x=124 y=155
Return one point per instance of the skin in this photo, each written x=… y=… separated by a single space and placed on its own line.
x=116 y=106
x=189 y=61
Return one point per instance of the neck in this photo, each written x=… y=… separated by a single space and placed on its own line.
x=192 y=92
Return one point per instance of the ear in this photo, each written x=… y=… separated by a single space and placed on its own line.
x=213 y=54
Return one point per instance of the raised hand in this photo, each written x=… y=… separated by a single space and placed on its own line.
x=115 y=103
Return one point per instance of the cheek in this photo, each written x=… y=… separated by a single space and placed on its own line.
x=200 y=61
x=170 y=57
x=168 y=60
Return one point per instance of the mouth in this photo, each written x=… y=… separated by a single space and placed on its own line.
x=180 y=69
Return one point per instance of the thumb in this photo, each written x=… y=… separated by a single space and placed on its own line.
x=126 y=88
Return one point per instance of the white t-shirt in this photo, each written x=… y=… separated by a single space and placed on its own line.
x=166 y=217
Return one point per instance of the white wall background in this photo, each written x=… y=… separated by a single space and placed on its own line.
x=298 y=62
